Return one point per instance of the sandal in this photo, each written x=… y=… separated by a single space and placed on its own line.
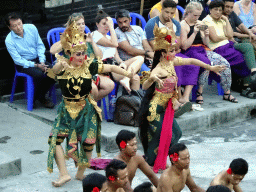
x=183 y=109
x=233 y=100
x=248 y=93
x=199 y=101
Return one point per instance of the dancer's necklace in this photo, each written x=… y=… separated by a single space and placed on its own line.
x=169 y=68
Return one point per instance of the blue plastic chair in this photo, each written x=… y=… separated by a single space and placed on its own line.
x=53 y=36
x=181 y=9
x=29 y=90
x=220 y=90
x=87 y=30
x=136 y=16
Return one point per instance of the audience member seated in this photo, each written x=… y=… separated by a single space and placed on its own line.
x=28 y=53
x=205 y=4
x=145 y=187
x=117 y=176
x=108 y=45
x=178 y=174
x=245 y=9
x=244 y=39
x=218 y=188
x=241 y=32
x=231 y=178
x=132 y=40
x=157 y=8
x=187 y=75
x=195 y=40
x=127 y=143
x=220 y=33
x=94 y=182
x=101 y=85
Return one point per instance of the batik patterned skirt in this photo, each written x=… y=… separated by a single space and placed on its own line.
x=85 y=129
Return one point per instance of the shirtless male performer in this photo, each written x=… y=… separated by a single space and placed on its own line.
x=117 y=176
x=231 y=178
x=127 y=143
x=178 y=174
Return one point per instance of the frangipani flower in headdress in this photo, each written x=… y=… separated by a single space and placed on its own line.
x=164 y=38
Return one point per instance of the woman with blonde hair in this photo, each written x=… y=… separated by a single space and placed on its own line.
x=101 y=85
x=195 y=42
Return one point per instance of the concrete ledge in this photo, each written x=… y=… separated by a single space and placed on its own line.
x=206 y=120
x=17 y=96
x=216 y=112
x=9 y=165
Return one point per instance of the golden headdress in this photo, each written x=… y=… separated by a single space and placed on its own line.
x=73 y=40
x=164 y=38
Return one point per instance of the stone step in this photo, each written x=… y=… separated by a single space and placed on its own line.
x=9 y=166
x=216 y=112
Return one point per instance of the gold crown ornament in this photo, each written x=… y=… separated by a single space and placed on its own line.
x=164 y=38
x=73 y=40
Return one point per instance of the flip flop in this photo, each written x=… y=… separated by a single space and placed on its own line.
x=183 y=109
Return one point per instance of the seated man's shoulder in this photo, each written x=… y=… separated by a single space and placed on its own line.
x=8 y=38
x=166 y=178
x=137 y=27
x=30 y=26
x=217 y=180
x=139 y=159
x=152 y=22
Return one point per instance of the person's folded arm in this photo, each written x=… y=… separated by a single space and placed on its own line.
x=214 y=37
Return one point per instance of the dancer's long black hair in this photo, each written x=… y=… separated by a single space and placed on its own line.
x=143 y=113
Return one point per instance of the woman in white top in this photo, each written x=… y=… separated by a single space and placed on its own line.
x=108 y=45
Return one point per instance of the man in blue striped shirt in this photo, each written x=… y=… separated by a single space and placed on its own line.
x=27 y=51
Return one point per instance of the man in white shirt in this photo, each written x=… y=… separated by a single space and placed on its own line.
x=132 y=40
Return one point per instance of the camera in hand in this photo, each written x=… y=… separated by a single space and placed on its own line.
x=203 y=27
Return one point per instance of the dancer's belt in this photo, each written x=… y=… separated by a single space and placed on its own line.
x=74 y=106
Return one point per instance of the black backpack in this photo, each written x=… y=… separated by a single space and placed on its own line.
x=127 y=109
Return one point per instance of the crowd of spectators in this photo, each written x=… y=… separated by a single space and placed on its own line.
x=214 y=32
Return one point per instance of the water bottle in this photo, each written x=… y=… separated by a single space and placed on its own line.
x=112 y=106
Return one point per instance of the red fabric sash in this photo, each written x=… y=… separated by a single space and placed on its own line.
x=165 y=139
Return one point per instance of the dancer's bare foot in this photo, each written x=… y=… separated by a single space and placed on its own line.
x=176 y=105
x=80 y=178
x=125 y=82
x=183 y=100
x=61 y=181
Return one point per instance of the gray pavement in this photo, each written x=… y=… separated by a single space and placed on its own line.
x=211 y=143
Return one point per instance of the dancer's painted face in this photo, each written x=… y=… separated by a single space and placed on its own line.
x=79 y=57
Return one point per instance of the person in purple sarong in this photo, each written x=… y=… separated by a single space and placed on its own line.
x=194 y=42
x=187 y=74
x=221 y=36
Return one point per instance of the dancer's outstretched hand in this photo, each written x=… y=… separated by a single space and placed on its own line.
x=217 y=68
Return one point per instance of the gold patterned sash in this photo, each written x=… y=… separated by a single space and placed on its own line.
x=161 y=99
